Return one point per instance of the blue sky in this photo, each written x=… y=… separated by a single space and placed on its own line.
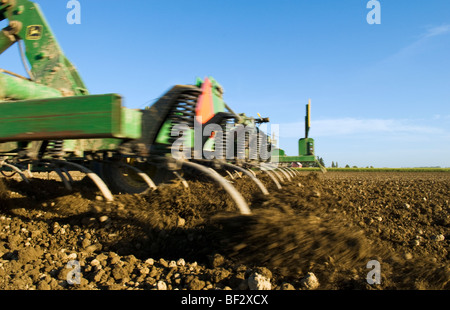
x=380 y=93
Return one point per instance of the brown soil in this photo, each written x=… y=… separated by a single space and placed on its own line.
x=329 y=224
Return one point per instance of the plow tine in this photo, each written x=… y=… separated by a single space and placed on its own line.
x=142 y=174
x=69 y=177
x=230 y=174
x=288 y=172
x=274 y=179
x=284 y=174
x=94 y=177
x=292 y=170
x=63 y=179
x=183 y=181
x=277 y=174
x=234 y=194
x=252 y=172
x=59 y=172
x=29 y=173
x=15 y=169
x=251 y=175
x=272 y=174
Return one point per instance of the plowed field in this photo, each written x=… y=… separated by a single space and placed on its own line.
x=331 y=225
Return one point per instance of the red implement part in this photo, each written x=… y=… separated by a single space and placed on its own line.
x=205 y=106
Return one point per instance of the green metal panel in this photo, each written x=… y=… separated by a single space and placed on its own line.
x=290 y=159
x=49 y=65
x=5 y=42
x=306 y=147
x=130 y=124
x=209 y=145
x=305 y=150
x=78 y=147
x=164 y=133
x=219 y=104
x=19 y=89
x=79 y=117
x=278 y=152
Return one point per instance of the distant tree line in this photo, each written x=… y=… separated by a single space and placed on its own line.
x=334 y=164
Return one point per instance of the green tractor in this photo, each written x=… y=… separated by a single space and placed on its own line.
x=50 y=122
x=306 y=152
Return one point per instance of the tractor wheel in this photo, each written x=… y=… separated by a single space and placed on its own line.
x=124 y=179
